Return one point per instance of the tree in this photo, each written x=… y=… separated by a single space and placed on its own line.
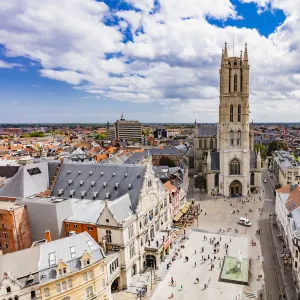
x=263 y=150
x=167 y=161
x=200 y=182
x=276 y=145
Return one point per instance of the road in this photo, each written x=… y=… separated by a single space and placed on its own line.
x=273 y=278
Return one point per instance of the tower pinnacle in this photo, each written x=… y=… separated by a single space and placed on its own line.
x=246 y=54
x=225 y=52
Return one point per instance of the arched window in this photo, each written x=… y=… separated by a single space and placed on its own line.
x=217 y=180
x=235 y=83
x=231 y=138
x=234 y=167
x=231 y=113
x=238 y=138
x=235 y=63
x=205 y=144
x=252 y=179
x=89 y=291
x=211 y=146
x=239 y=113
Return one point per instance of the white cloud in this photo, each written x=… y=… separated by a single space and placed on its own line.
x=174 y=58
x=6 y=65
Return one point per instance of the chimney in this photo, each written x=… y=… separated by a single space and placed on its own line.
x=48 y=236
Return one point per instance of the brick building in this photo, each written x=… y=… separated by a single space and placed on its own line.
x=14 y=226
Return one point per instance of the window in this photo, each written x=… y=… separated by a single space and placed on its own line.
x=89 y=291
x=234 y=167
x=211 y=146
x=75 y=226
x=60 y=272
x=70 y=285
x=90 y=274
x=90 y=228
x=217 y=180
x=16 y=297
x=157 y=225
x=46 y=292
x=58 y=288
x=152 y=232
x=235 y=83
x=32 y=294
x=5 y=235
x=72 y=251
x=131 y=250
x=6 y=245
x=130 y=231
x=8 y=289
x=296 y=265
x=166 y=216
x=66 y=298
x=231 y=113
x=84 y=276
x=252 y=179
x=2 y=225
x=231 y=138
x=64 y=285
x=156 y=210
x=205 y=144
x=149 y=183
x=239 y=113
x=165 y=202
x=34 y=171
x=108 y=236
x=238 y=138
x=103 y=283
x=52 y=259
x=91 y=245
x=1 y=216
x=296 y=254
x=68 y=225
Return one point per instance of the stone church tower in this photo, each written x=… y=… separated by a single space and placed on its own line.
x=224 y=153
x=233 y=127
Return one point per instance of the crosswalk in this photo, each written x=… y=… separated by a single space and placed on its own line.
x=251 y=295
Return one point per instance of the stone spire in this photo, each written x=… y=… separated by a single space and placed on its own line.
x=225 y=52
x=246 y=54
x=195 y=124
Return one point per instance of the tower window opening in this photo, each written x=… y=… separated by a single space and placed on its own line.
x=235 y=167
x=231 y=138
x=231 y=113
x=238 y=139
x=239 y=113
x=235 y=83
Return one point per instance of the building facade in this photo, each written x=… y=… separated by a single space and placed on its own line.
x=229 y=164
x=14 y=226
x=70 y=268
x=127 y=130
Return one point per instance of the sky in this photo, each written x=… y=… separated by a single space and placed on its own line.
x=78 y=61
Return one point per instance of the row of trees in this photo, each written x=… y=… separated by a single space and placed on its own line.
x=33 y=134
x=273 y=146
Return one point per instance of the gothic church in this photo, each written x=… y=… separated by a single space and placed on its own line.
x=224 y=153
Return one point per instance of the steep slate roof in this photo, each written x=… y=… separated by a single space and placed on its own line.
x=52 y=166
x=136 y=157
x=102 y=174
x=35 y=260
x=207 y=131
x=24 y=184
x=8 y=171
x=215 y=161
x=170 y=150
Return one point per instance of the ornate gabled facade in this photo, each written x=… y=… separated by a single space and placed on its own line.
x=227 y=159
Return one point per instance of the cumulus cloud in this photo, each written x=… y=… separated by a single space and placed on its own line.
x=172 y=56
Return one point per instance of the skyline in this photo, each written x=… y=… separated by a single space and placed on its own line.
x=86 y=62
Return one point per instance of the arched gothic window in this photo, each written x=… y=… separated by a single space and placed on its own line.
x=231 y=138
x=235 y=83
x=238 y=138
x=217 y=180
x=211 y=146
x=239 y=113
x=231 y=113
x=234 y=167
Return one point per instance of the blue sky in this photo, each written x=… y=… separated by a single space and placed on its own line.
x=156 y=61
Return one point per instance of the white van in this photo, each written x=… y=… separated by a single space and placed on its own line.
x=245 y=222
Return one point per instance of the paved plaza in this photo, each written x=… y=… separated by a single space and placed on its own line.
x=217 y=213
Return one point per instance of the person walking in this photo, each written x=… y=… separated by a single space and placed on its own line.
x=181 y=287
x=195 y=252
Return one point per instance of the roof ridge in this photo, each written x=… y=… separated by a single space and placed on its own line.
x=105 y=164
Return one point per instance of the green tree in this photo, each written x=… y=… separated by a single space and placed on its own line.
x=167 y=161
x=276 y=145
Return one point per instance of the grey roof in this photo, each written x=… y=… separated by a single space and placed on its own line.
x=252 y=160
x=190 y=152
x=86 y=211
x=121 y=208
x=136 y=158
x=207 y=131
x=24 y=184
x=105 y=178
x=35 y=260
x=170 y=150
x=215 y=161
x=52 y=167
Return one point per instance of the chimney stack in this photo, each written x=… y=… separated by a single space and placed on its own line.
x=48 y=236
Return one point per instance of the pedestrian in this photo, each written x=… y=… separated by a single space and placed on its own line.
x=258 y=257
x=214 y=257
x=172 y=295
x=195 y=251
x=181 y=287
x=202 y=249
x=211 y=267
x=205 y=286
x=208 y=256
x=220 y=238
x=195 y=264
x=172 y=280
x=226 y=252
x=230 y=240
x=202 y=256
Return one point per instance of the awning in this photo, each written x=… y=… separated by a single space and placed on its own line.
x=186 y=207
x=178 y=216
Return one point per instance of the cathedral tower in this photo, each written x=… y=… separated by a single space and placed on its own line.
x=233 y=127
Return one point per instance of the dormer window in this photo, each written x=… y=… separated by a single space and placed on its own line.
x=93 y=183
x=8 y=289
x=79 y=172
x=81 y=182
x=91 y=172
x=70 y=181
x=52 y=259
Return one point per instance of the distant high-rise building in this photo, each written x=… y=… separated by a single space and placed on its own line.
x=126 y=130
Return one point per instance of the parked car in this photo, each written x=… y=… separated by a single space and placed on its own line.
x=245 y=222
